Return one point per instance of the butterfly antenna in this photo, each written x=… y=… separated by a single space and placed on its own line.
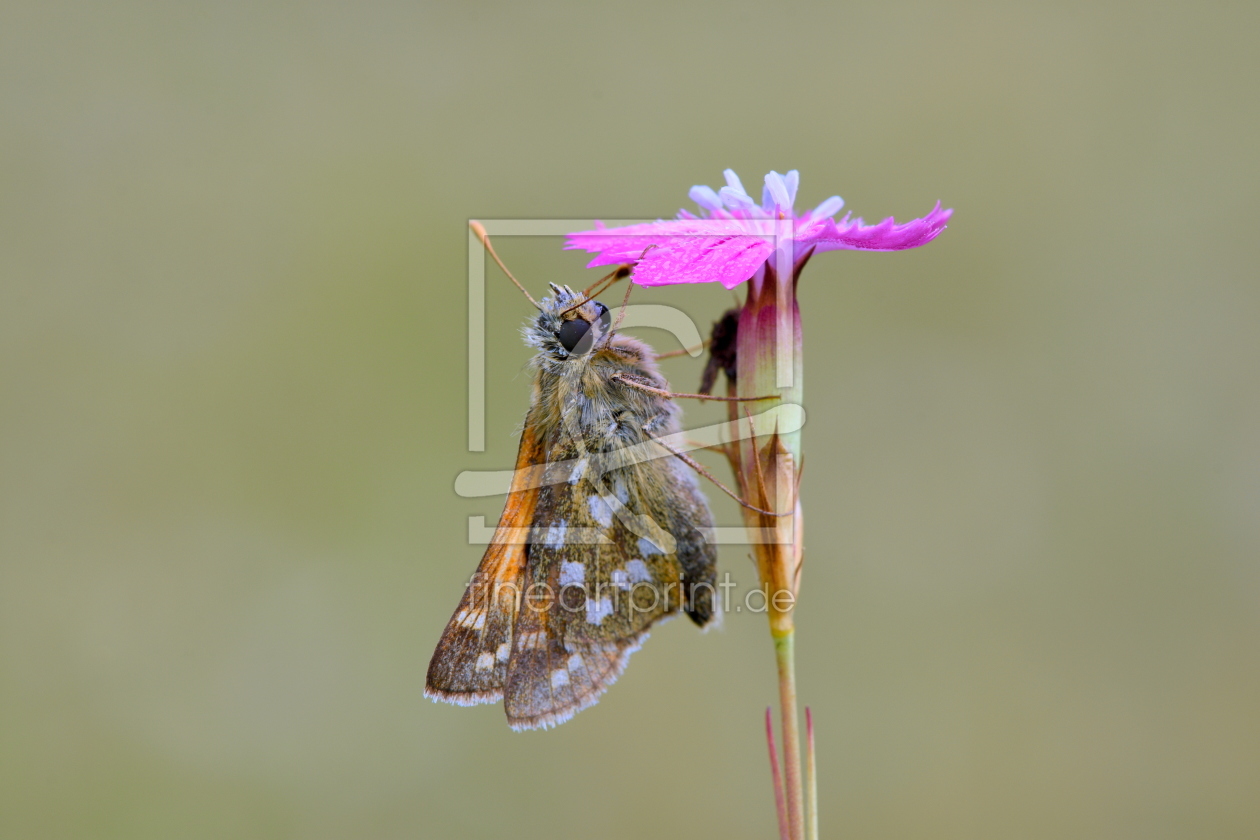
x=621 y=272
x=625 y=301
x=485 y=240
x=600 y=286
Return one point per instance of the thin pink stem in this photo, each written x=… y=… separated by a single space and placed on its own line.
x=780 y=807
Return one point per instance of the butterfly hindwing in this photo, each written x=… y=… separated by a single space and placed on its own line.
x=605 y=562
x=554 y=673
x=689 y=517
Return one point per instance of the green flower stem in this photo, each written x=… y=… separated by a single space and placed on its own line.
x=783 y=654
x=811 y=780
x=769 y=360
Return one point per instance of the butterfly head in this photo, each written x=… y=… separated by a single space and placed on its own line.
x=568 y=325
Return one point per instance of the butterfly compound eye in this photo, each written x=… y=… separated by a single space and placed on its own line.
x=605 y=317
x=572 y=332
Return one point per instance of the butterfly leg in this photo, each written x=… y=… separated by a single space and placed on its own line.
x=686 y=351
x=698 y=467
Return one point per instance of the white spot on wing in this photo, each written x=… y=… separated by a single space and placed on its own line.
x=620 y=579
x=638 y=571
x=559 y=677
x=576 y=662
x=597 y=610
x=572 y=574
x=485 y=661
x=555 y=534
x=502 y=652
x=647 y=547
x=620 y=491
x=600 y=511
x=578 y=469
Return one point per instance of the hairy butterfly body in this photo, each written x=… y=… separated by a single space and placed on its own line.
x=601 y=537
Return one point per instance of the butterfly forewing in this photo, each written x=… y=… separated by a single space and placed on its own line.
x=470 y=663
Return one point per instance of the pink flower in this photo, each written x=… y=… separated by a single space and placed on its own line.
x=736 y=240
x=735 y=236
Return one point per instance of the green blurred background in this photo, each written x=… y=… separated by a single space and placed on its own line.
x=233 y=406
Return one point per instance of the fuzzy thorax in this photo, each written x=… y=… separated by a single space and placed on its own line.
x=580 y=385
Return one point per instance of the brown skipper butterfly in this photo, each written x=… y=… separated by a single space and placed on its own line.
x=601 y=537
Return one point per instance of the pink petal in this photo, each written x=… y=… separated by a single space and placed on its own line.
x=729 y=260
x=727 y=251
x=730 y=246
x=885 y=236
x=626 y=244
